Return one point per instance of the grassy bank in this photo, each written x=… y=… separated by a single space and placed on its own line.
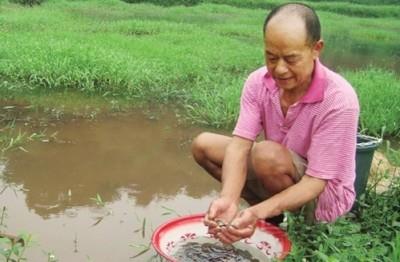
x=197 y=57
x=372 y=235
x=378 y=93
x=360 y=9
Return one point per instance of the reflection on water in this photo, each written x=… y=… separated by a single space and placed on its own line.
x=137 y=165
x=341 y=53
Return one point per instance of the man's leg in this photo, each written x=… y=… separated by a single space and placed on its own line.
x=273 y=165
x=208 y=150
x=270 y=163
x=279 y=168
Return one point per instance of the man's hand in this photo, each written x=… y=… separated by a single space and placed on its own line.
x=242 y=226
x=234 y=169
x=219 y=215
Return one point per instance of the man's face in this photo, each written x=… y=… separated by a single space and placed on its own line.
x=288 y=55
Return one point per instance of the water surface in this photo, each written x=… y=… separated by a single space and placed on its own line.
x=140 y=166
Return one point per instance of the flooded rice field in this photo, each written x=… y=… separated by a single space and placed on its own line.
x=98 y=189
x=344 y=53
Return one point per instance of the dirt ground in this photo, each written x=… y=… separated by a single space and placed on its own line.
x=382 y=170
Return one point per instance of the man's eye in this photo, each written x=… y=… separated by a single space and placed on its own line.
x=291 y=60
x=272 y=59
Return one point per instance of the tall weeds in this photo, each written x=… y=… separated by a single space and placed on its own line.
x=369 y=234
x=197 y=57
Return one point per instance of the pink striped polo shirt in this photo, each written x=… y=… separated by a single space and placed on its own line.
x=321 y=127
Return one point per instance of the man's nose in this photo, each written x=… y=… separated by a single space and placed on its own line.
x=281 y=67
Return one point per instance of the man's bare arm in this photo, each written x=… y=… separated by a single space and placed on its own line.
x=292 y=198
x=234 y=169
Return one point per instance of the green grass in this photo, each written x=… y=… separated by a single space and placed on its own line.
x=14 y=251
x=195 y=57
x=365 y=2
x=14 y=138
x=360 y=9
x=378 y=92
x=370 y=235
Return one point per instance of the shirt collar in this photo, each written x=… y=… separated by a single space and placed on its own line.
x=315 y=92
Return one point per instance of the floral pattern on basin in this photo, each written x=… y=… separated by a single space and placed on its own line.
x=269 y=239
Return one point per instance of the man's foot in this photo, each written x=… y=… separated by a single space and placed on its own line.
x=275 y=220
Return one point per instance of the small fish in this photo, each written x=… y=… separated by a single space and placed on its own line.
x=220 y=223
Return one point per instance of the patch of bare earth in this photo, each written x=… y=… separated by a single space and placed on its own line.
x=382 y=172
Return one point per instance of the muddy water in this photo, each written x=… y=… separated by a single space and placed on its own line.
x=138 y=165
x=341 y=53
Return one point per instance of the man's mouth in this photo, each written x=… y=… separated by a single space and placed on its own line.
x=283 y=79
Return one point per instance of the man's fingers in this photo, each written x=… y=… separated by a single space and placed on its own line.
x=243 y=225
x=221 y=238
x=226 y=238
x=218 y=217
x=241 y=232
x=209 y=223
x=213 y=230
x=244 y=219
x=211 y=214
x=221 y=223
x=213 y=210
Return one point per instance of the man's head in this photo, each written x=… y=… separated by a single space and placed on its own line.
x=292 y=37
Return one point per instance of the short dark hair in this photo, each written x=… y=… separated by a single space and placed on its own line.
x=306 y=12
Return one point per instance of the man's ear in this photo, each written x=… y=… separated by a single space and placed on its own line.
x=317 y=48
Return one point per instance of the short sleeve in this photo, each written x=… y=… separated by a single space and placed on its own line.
x=333 y=145
x=249 y=123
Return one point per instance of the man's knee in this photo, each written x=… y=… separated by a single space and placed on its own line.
x=200 y=145
x=269 y=158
